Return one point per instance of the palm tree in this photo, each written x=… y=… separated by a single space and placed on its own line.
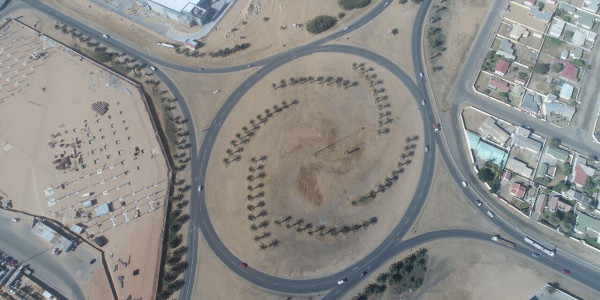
x=372 y=194
x=253 y=160
x=282 y=83
x=251 y=217
x=362 y=70
x=354 y=83
x=354 y=65
x=365 y=224
x=233 y=143
x=251 y=169
x=252 y=122
x=250 y=188
x=229 y=152
x=293 y=81
x=257 y=238
x=238 y=135
x=274 y=86
x=260 y=203
x=226 y=161
x=284 y=104
x=329 y=80
x=346 y=84
x=311 y=79
x=263 y=246
x=373 y=220
x=320 y=79
x=260 y=185
x=259 y=117
x=249 y=197
x=245 y=129
x=264 y=223
x=276 y=108
x=274 y=243
x=250 y=207
x=268 y=112
x=250 y=178
x=262 y=213
x=355 y=227
x=262 y=157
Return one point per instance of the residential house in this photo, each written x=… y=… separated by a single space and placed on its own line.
x=497 y=83
x=486 y=151
x=519 y=167
x=578 y=38
x=530 y=105
x=518 y=31
x=550 y=98
x=584 y=20
x=556 y=202
x=506 y=50
x=502 y=67
x=569 y=71
x=581 y=172
x=591 y=5
x=578 y=196
x=576 y=53
x=546 y=170
x=526 y=143
x=544 y=16
x=517 y=190
x=558 y=108
x=587 y=225
x=506 y=176
x=558 y=154
x=564 y=54
x=566 y=91
x=522 y=131
x=489 y=129
x=540 y=203
x=557 y=28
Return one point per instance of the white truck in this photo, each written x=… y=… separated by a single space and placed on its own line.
x=507 y=243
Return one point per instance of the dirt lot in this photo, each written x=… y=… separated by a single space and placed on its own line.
x=352 y=165
x=467 y=269
x=531 y=41
x=460 y=32
x=74 y=159
x=279 y=14
x=481 y=85
x=375 y=36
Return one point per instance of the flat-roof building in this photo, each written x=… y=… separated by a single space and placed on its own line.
x=519 y=167
x=486 y=151
x=190 y=12
x=527 y=144
x=489 y=128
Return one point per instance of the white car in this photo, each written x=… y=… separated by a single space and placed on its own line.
x=478 y=202
x=426 y=148
x=15 y=220
x=216 y=91
x=153 y=68
x=106 y=36
x=200 y=188
x=346 y=28
x=464 y=184
x=421 y=75
x=491 y=214
x=342 y=281
x=386 y=4
x=423 y=102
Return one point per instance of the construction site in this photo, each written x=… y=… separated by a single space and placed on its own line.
x=78 y=147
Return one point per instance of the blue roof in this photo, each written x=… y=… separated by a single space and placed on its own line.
x=485 y=150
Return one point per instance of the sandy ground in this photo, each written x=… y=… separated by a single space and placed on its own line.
x=293 y=134
x=460 y=33
x=467 y=269
x=446 y=199
x=117 y=154
x=214 y=280
x=375 y=36
x=97 y=287
x=280 y=14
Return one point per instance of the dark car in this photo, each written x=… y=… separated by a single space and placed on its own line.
x=244 y=265
x=363 y=274
x=565 y=271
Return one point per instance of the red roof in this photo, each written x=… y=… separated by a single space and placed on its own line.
x=499 y=84
x=517 y=190
x=569 y=71
x=580 y=175
x=502 y=66
x=506 y=175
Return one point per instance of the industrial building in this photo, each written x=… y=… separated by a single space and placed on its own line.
x=189 y=12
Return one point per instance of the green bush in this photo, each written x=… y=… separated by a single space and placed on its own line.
x=352 y=4
x=320 y=24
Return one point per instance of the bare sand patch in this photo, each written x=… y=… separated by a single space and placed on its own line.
x=311 y=142
x=460 y=23
x=468 y=269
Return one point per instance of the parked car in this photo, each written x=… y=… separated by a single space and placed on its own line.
x=216 y=91
x=16 y=220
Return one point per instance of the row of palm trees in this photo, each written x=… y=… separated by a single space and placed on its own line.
x=389 y=181
x=381 y=100
x=248 y=131
x=301 y=226
x=256 y=172
x=339 y=82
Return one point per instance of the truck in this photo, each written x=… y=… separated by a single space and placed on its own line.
x=436 y=127
x=507 y=243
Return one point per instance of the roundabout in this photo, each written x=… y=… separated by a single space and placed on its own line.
x=305 y=187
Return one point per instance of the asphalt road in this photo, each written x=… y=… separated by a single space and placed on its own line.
x=199 y=214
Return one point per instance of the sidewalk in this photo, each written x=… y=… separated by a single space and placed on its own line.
x=144 y=19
